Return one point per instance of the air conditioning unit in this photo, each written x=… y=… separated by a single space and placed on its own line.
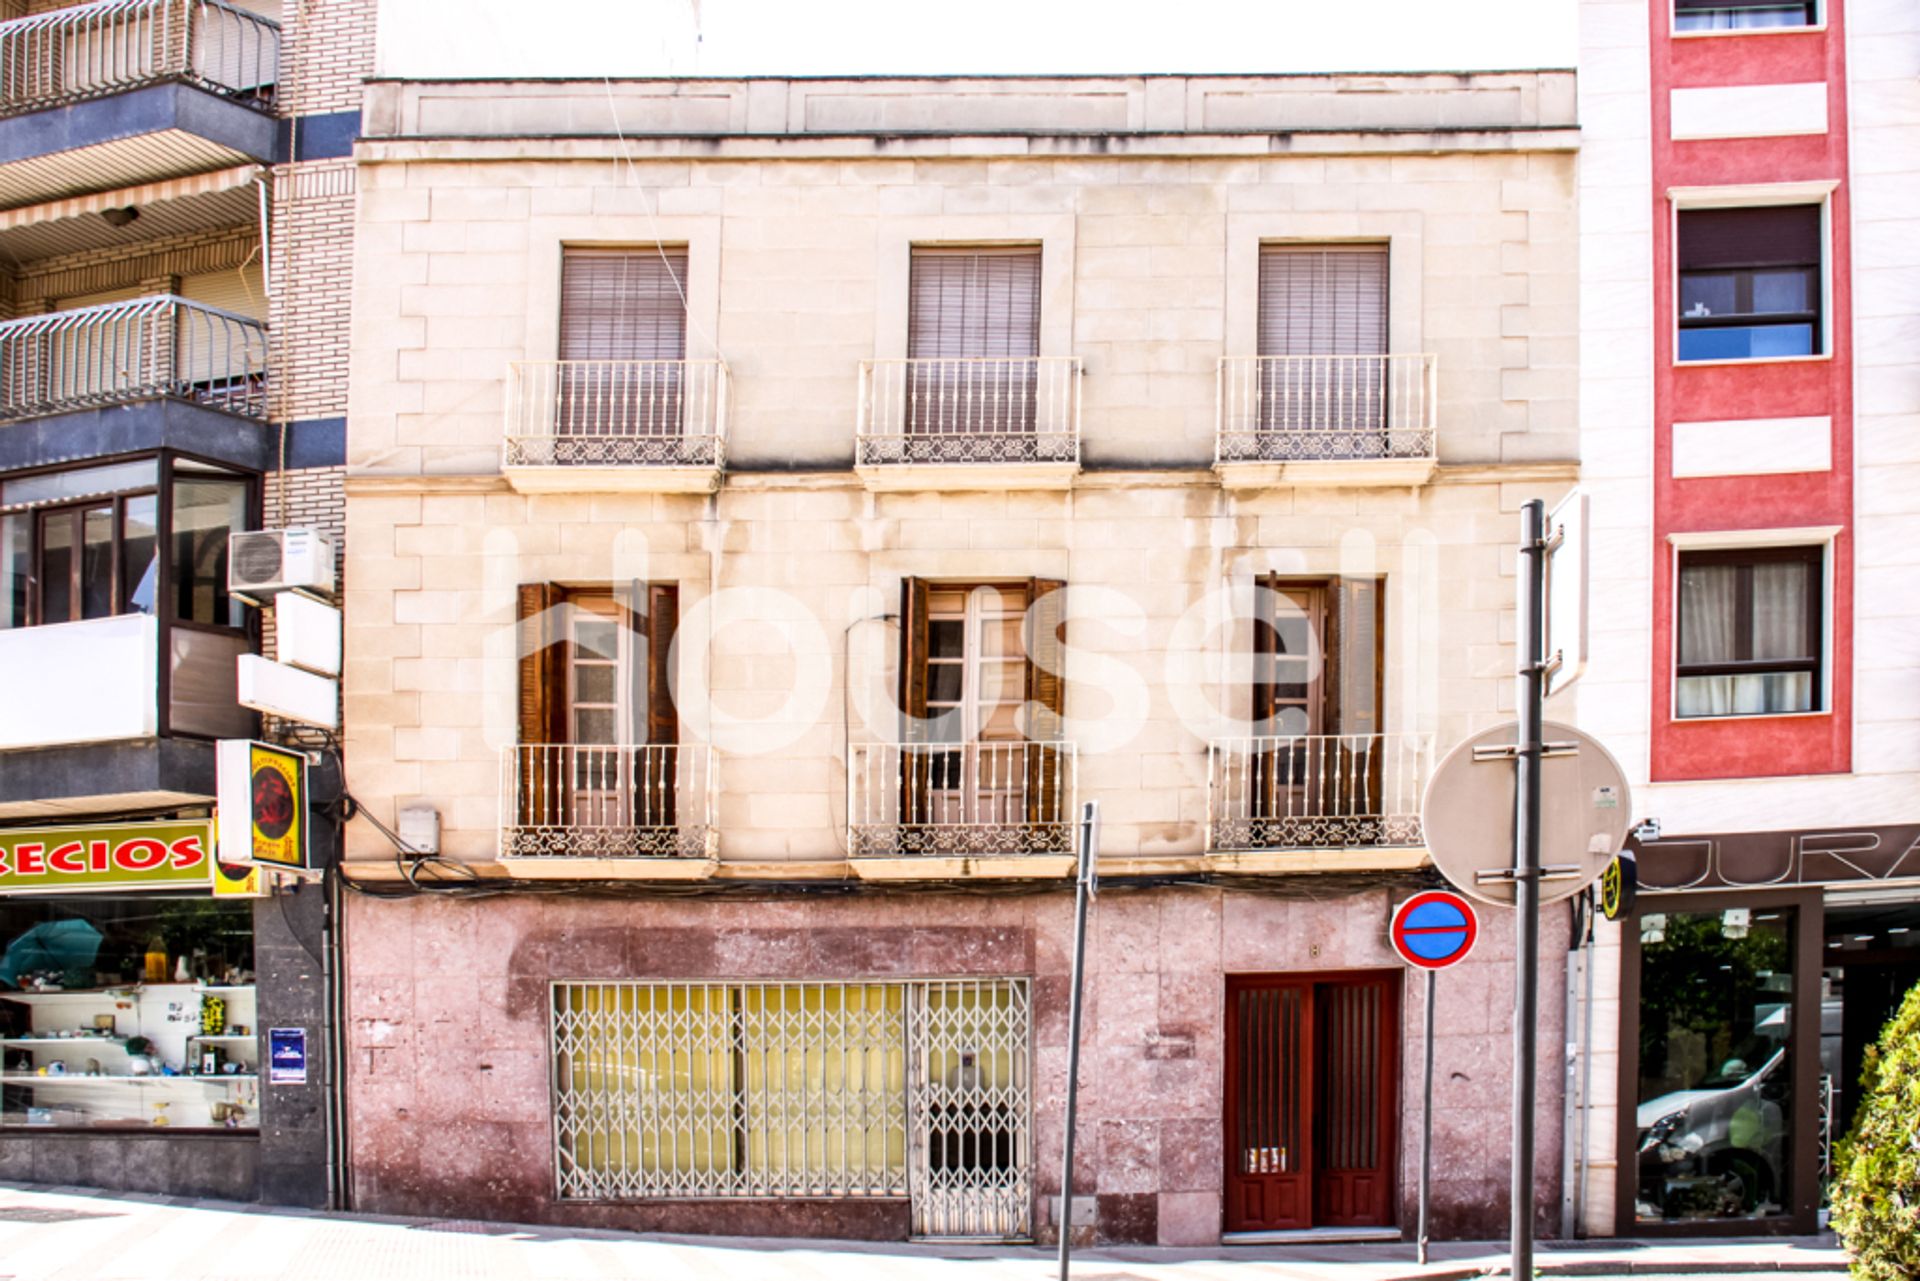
x=269 y=561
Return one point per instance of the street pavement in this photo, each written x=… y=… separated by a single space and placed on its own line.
x=72 y=1234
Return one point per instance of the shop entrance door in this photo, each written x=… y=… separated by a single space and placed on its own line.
x=1310 y=1100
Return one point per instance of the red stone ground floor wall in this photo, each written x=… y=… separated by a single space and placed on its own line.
x=449 y=1106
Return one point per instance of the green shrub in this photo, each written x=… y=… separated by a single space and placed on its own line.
x=1876 y=1176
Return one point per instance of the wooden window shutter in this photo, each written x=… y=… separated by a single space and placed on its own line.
x=543 y=664
x=623 y=304
x=662 y=621
x=1323 y=301
x=914 y=629
x=1266 y=597
x=1353 y=652
x=970 y=303
x=1046 y=690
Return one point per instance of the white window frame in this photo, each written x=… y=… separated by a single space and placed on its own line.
x=1744 y=197
x=1821 y=536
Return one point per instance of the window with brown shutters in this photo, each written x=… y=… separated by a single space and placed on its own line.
x=623 y=341
x=1322 y=337
x=598 y=733
x=1749 y=282
x=973 y=336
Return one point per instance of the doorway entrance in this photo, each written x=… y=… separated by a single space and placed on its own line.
x=1311 y=1100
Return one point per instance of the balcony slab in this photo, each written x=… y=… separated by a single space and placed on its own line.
x=1003 y=867
x=1370 y=858
x=1345 y=473
x=158 y=131
x=965 y=477
x=157 y=423
x=102 y=778
x=609 y=869
x=638 y=479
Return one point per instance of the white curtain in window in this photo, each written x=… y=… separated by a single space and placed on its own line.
x=1708 y=599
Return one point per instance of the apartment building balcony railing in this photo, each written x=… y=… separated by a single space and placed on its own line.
x=1003 y=423
x=1327 y=419
x=657 y=425
x=571 y=802
x=138 y=349
x=960 y=800
x=1316 y=791
x=91 y=51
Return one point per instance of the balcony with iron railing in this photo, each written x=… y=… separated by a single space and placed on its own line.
x=1317 y=793
x=622 y=425
x=942 y=809
x=124 y=92
x=992 y=423
x=599 y=811
x=1326 y=420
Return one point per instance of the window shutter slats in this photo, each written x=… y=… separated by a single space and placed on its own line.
x=1323 y=302
x=542 y=665
x=972 y=303
x=1047 y=690
x=620 y=304
x=1783 y=236
x=663 y=620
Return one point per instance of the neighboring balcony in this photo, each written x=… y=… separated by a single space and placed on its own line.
x=633 y=426
x=936 y=810
x=131 y=91
x=575 y=810
x=146 y=373
x=985 y=423
x=1326 y=420
x=1317 y=801
x=93 y=708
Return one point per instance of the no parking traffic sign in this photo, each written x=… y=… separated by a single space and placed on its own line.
x=1434 y=929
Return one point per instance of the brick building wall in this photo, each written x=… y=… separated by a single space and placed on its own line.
x=312 y=271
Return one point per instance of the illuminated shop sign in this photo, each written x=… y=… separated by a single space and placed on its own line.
x=121 y=856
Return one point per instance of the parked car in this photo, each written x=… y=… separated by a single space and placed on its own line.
x=1718 y=1150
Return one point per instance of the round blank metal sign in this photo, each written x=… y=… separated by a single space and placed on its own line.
x=1467 y=814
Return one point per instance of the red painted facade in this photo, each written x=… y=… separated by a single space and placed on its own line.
x=1752 y=746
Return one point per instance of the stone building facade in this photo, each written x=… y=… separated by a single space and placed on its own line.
x=775 y=506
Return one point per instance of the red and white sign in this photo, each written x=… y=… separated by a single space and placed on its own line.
x=1434 y=929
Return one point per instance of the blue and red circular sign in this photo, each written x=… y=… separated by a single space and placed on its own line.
x=1434 y=929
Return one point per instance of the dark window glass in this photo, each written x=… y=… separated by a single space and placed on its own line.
x=1715 y=1101
x=16 y=570
x=139 y=548
x=205 y=512
x=1749 y=282
x=1732 y=15
x=1749 y=632
x=96 y=562
x=57 y=554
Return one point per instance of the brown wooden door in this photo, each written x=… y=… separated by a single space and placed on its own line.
x=1310 y=1101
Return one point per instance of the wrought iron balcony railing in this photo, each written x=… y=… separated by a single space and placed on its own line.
x=575 y=800
x=92 y=50
x=1015 y=410
x=1316 y=791
x=616 y=413
x=133 y=350
x=1326 y=408
x=960 y=799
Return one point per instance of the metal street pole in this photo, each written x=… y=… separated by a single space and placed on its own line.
x=1530 y=697
x=1089 y=837
x=1426 y=1124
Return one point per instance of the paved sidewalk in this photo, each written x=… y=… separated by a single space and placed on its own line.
x=70 y=1234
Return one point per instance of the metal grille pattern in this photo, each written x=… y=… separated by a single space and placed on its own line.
x=1347 y=1109
x=960 y=798
x=88 y=51
x=568 y=800
x=971 y=1109
x=616 y=413
x=120 y=351
x=799 y=1089
x=970 y=410
x=1327 y=408
x=1316 y=791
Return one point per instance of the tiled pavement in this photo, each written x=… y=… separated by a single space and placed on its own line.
x=68 y=1234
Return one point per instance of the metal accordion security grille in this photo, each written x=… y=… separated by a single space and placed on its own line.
x=919 y=1089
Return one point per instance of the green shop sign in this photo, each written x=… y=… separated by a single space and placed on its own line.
x=124 y=856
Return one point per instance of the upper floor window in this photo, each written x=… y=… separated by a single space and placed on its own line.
x=93 y=542
x=1750 y=632
x=1741 y=15
x=973 y=340
x=1750 y=282
x=1323 y=301
x=623 y=342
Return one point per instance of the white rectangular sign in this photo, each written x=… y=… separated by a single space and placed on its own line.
x=280 y=690
x=306 y=633
x=1567 y=591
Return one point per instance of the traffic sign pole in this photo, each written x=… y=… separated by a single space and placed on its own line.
x=1426 y=1124
x=1530 y=699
